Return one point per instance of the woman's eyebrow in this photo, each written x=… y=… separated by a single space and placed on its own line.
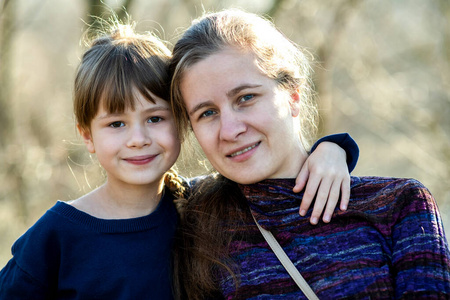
x=199 y=106
x=241 y=87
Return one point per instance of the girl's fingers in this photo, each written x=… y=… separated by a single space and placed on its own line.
x=322 y=199
x=301 y=179
x=310 y=193
x=333 y=199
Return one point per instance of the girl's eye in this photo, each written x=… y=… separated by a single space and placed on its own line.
x=246 y=98
x=117 y=124
x=154 y=119
x=207 y=113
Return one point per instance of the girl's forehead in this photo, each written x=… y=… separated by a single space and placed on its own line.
x=140 y=104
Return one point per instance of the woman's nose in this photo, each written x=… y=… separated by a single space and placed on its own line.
x=231 y=125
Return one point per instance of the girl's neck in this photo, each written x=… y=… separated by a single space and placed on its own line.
x=117 y=202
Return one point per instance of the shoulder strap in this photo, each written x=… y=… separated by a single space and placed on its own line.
x=287 y=263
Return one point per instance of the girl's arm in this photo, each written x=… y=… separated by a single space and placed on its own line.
x=326 y=175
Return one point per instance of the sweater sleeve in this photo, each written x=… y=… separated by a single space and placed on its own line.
x=345 y=141
x=28 y=274
x=15 y=283
x=420 y=252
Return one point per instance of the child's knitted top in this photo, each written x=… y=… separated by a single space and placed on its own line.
x=69 y=254
x=389 y=244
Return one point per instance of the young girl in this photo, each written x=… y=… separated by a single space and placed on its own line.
x=115 y=242
x=243 y=87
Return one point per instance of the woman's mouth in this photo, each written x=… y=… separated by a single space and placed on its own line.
x=243 y=150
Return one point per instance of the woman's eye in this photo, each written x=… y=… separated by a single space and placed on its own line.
x=117 y=124
x=207 y=113
x=154 y=119
x=246 y=98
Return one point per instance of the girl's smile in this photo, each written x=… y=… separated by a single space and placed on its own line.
x=140 y=160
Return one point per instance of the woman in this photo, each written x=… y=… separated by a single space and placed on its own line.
x=245 y=90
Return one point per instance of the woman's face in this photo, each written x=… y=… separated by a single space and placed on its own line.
x=245 y=124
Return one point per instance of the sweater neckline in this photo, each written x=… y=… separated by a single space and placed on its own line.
x=143 y=223
x=273 y=203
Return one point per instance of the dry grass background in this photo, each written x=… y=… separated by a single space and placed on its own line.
x=383 y=75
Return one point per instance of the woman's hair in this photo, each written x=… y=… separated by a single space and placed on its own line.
x=277 y=57
x=118 y=64
x=217 y=206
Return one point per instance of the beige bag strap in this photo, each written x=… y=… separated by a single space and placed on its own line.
x=287 y=263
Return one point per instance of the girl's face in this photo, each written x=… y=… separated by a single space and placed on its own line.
x=246 y=125
x=135 y=147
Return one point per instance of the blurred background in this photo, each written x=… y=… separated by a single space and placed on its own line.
x=382 y=73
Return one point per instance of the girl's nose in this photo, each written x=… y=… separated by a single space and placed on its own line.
x=139 y=137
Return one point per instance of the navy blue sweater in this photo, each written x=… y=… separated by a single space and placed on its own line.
x=345 y=141
x=69 y=254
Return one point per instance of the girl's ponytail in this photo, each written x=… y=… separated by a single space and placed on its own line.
x=174 y=183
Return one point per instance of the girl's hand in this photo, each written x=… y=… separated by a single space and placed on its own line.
x=325 y=174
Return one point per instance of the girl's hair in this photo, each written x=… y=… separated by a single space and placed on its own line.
x=214 y=210
x=277 y=57
x=118 y=64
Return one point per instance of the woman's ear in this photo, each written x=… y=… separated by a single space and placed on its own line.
x=294 y=102
x=87 y=138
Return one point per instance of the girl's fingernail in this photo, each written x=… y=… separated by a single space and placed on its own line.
x=326 y=219
x=314 y=220
x=302 y=212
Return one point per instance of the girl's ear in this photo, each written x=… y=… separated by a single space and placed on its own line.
x=294 y=102
x=87 y=138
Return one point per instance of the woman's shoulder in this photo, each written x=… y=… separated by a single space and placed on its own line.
x=391 y=192
x=385 y=184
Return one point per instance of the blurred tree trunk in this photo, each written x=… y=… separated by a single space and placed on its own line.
x=444 y=7
x=6 y=33
x=11 y=164
x=323 y=80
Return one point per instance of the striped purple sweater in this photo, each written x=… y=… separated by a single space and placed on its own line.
x=389 y=244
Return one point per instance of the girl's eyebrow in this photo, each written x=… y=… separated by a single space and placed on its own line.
x=148 y=110
x=156 y=108
x=109 y=115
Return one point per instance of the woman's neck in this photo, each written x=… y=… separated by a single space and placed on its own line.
x=297 y=159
